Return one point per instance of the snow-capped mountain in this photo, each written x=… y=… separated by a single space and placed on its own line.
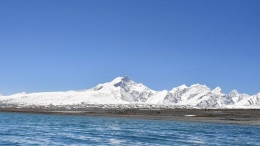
x=123 y=91
x=250 y=101
x=196 y=96
x=236 y=97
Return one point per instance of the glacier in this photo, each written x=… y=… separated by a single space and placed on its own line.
x=124 y=92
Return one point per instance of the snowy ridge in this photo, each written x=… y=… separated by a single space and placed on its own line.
x=124 y=92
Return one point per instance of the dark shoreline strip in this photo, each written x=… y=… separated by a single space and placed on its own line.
x=228 y=116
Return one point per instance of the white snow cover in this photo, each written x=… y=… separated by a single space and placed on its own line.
x=123 y=91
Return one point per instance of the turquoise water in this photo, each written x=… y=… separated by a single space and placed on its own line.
x=38 y=129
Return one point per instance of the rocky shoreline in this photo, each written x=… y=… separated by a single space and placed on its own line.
x=228 y=116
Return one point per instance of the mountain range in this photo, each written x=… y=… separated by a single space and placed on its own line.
x=123 y=91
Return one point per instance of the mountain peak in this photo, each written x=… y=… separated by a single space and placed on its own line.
x=198 y=86
x=119 y=80
x=234 y=93
x=125 y=79
x=217 y=90
x=183 y=86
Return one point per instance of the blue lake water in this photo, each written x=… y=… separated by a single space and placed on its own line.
x=39 y=129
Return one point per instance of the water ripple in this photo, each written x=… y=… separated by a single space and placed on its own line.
x=33 y=129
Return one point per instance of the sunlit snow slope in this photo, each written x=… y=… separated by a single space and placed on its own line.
x=123 y=91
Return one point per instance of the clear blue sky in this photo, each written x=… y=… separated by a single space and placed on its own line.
x=59 y=45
